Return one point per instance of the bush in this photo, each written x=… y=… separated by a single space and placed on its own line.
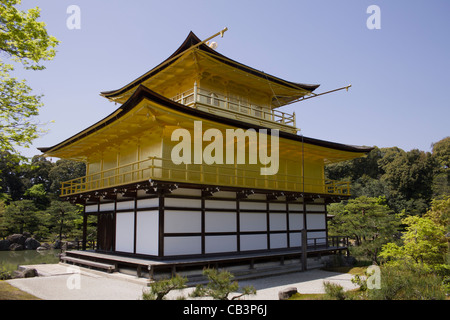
x=334 y=291
x=220 y=286
x=159 y=289
x=4 y=273
x=404 y=282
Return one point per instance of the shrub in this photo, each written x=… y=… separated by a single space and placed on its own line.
x=334 y=291
x=159 y=289
x=404 y=282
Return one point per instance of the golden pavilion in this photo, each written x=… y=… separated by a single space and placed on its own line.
x=214 y=199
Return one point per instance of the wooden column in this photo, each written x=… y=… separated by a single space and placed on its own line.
x=304 y=238
x=84 y=229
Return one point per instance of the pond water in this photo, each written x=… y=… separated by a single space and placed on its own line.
x=10 y=260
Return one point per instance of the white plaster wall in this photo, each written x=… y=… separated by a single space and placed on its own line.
x=253 y=221
x=277 y=221
x=295 y=239
x=91 y=208
x=316 y=221
x=125 y=232
x=182 y=245
x=253 y=242
x=183 y=203
x=220 y=204
x=315 y=207
x=177 y=221
x=277 y=206
x=296 y=221
x=215 y=244
x=252 y=205
x=296 y=206
x=107 y=206
x=125 y=205
x=148 y=203
x=278 y=240
x=147 y=232
x=320 y=235
x=216 y=221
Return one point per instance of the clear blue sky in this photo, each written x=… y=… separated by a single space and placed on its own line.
x=400 y=74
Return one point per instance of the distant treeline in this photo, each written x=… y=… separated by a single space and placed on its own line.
x=408 y=180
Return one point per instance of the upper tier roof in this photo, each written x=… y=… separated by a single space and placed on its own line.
x=143 y=93
x=283 y=91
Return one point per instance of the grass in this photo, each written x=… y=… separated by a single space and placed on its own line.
x=9 y=292
x=351 y=270
x=307 y=296
x=322 y=296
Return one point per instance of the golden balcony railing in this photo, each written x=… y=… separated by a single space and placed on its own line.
x=156 y=168
x=198 y=97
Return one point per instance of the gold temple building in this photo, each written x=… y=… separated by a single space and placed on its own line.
x=213 y=200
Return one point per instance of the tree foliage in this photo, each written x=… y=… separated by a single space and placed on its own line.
x=29 y=197
x=409 y=180
x=159 y=289
x=424 y=242
x=367 y=221
x=220 y=285
x=23 y=39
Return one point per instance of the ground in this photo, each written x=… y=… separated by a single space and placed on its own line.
x=9 y=292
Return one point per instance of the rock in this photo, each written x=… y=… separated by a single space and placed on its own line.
x=32 y=244
x=27 y=273
x=44 y=246
x=286 y=293
x=17 y=238
x=30 y=273
x=4 y=245
x=57 y=244
x=68 y=245
x=16 y=247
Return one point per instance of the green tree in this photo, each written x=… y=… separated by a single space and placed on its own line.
x=21 y=216
x=37 y=172
x=61 y=217
x=38 y=194
x=3 y=226
x=424 y=245
x=25 y=40
x=11 y=182
x=441 y=180
x=367 y=221
x=159 y=289
x=220 y=286
x=402 y=282
x=410 y=177
x=65 y=170
x=440 y=212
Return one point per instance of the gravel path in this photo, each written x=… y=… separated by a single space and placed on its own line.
x=63 y=282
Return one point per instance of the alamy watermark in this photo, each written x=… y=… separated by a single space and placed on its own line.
x=74 y=20
x=374 y=277
x=74 y=280
x=374 y=20
x=190 y=149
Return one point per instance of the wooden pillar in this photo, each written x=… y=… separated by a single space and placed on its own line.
x=161 y=224
x=304 y=249
x=304 y=238
x=84 y=230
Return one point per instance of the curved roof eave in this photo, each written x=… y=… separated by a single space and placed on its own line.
x=190 y=41
x=143 y=92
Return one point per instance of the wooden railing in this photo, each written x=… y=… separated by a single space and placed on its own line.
x=226 y=175
x=234 y=105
